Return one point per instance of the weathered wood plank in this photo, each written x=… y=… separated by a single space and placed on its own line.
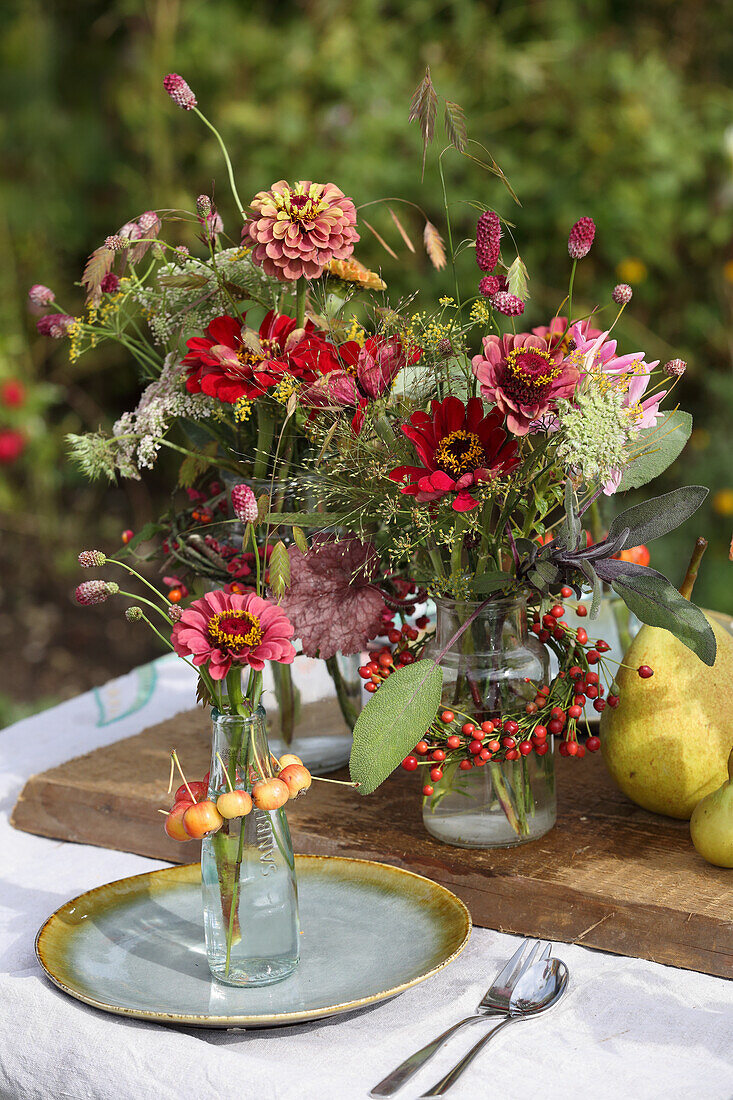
x=610 y=875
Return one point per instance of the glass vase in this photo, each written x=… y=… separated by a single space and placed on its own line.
x=312 y=704
x=491 y=670
x=250 y=893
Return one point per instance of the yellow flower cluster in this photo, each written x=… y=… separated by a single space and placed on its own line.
x=242 y=409
x=355 y=332
x=282 y=390
x=479 y=314
x=423 y=332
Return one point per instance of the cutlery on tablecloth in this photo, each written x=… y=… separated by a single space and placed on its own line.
x=495 y=1002
x=538 y=989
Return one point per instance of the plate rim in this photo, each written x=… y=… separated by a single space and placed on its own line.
x=271 y=1019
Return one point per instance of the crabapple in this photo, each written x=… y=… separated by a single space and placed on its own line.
x=202 y=818
x=234 y=804
x=270 y=794
x=296 y=778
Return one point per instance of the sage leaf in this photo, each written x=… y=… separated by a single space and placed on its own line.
x=665 y=442
x=393 y=721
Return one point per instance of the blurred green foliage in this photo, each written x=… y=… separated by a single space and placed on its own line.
x=607 y=108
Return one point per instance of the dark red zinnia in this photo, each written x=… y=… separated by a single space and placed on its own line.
x=232 y=361
x=459 y=447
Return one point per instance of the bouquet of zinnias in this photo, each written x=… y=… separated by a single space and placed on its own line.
x=442 y=453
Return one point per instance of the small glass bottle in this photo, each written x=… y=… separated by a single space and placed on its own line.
x=250 y=893
x=492 y=669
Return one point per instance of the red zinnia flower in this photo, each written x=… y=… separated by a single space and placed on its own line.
x=232 y=361
x=459 y=447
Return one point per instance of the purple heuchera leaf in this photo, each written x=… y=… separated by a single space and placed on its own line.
x=333 y=602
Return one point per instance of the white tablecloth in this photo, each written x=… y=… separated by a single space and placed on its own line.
x=627 y=1028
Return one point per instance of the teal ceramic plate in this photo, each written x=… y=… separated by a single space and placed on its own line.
x=136 y=947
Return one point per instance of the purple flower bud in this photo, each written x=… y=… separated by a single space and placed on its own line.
x=117 y=242
x=622 y=294
x=181 y=253
x=55 y=325
x=580 y=238
x=179 y=91
x=149 y=224
x=109 y=284
x=492 y=284
x=89 y=559
x=174 y=613
x=91 y=592
x=203 y=206
x=134 y=614
x=675 y=367
x=244 y=503
x=41 y=295
x=488 y=240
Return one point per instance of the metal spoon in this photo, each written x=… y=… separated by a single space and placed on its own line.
x=539 y=989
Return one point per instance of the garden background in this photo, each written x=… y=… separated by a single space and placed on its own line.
x=618 y=110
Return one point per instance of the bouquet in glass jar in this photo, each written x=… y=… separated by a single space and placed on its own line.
x=449 y=452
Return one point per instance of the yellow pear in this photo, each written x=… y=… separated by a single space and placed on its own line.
x=667 y=742
x=711 y=824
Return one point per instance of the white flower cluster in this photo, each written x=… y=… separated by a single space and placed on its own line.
x=595 y=428
x=190 y=293
x=139 y=434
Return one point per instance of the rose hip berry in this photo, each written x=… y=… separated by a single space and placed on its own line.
x=582 y=635
x=645 y=671
x=593 y=744
x=428 y=790
x=421 y=748
x=436 y=774
x=525 y=747
x=447 y=717
x=409 y=763
x=453 y=742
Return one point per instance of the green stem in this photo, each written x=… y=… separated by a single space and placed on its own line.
x=570 y=293
x=230 y=170
x=449 y=229
x=300 y=293
x=346 y=706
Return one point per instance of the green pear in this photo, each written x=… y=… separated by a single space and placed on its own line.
x=667 y=742
x=711 y=824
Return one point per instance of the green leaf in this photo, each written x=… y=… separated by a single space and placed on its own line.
x=149 y=531
x=656 y=601
x=279 y=567
x=300 y=540
x=455 y=125
x=518 y=278
x=656 y=517
x=194 y=465
x=548 y=571
x=491 y=582
x=393 y=721
x=660 y=446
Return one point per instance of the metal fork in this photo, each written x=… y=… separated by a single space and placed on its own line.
x=495 y=1002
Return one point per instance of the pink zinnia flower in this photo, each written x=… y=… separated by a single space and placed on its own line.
x=558 y=332
x=296 y=231
x=524 y=377
x=224 y=629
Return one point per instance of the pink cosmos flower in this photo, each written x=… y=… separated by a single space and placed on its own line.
x=524 y=376
x=224 y=629
x=295 y=231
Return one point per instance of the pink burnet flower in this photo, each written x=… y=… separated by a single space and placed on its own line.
x=488 y=240
x=179 y=91
x=118 y=242
x=55 y=325
x=622 y=294
x=244 y=503
x=40 y=295
x=91 y=559
x=580 y=238
x=491 y=285
x=524 y=377
x=295 y=231
x=224 y=629
x=506 y=303
x=675 y=367
x=92 y=592
x=110 y=284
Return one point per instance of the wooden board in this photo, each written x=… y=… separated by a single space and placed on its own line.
x=609 y=875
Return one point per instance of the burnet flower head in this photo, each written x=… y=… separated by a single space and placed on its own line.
x=296 y=231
